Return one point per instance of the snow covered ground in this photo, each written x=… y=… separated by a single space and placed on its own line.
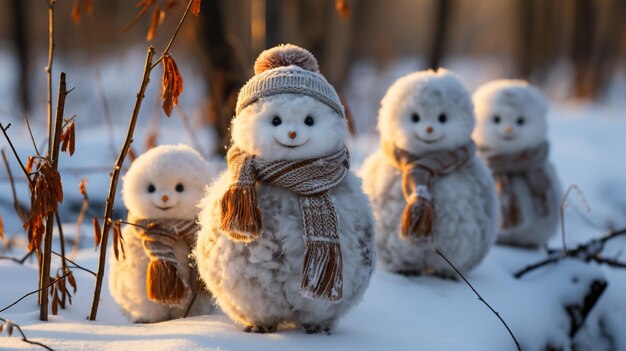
x=397 y=313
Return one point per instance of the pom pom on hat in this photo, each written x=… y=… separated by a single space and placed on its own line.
x=288 y=69
x=283 y=56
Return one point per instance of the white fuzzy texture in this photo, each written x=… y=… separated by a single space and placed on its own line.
x=466 y=212
x=254 y=132
x=510 y=100
x=428 y=94
x=258 y=284
x=164 y=167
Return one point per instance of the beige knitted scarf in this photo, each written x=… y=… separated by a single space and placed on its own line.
x=528 y=165
x=311 y=179
x=418 y=173
x=165 y=282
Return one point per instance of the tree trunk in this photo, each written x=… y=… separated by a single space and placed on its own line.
x=225 y=72
x=440 y=33
x=20 y=40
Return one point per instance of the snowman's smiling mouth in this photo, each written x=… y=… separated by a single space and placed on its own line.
x=289 y=146
x=164 y=208
x=429 y=141
x=507 y=137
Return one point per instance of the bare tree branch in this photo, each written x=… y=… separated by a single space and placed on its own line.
x=480 y=298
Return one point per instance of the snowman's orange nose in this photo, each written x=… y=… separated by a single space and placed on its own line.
x=165 y=198
x=292 y=134
x=429 y=130
x=508 y=130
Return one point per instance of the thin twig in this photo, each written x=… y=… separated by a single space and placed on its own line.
x=562 y=210
x=169 y=45
x=589 y=251
x=193 y=299
x=108 y=212
x=36 y=291
x=76 y=265
x=79 y=222
x=61 y=240
x=54 y=159
x=18 y=260
x=16 y=202
x=48 y=68
x=192 y=135
x=480 y=298
x=24 y=338
x=32 y=138
x=107 y=113
x=19 y=160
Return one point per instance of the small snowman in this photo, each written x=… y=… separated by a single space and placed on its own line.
x=154 y=281
x=511 y=134
x=287 y=235
x=428 y=189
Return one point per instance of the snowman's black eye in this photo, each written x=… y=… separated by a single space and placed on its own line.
x=496 y=119
x=276 y=121
x=151 y=188
x=180 y=188
x=520 y=121
x=443 y=118
x=309 y=121
x=415 y=118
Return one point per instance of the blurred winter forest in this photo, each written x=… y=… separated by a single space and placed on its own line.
x=575 y=49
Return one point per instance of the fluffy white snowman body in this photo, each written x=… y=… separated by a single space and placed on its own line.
x=427 y=113
x=258 y=283
x=511 y=125
x=166 y=182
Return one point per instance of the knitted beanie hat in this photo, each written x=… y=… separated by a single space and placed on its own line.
x=287 y=69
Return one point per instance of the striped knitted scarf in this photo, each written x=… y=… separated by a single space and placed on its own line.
x=418 y=217
x=528 y=165
x=165 y=282
x=322 y=270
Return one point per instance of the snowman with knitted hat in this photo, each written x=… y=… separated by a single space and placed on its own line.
x=287 y=235
x=428 y=189
x=153 y=280
x=512 y=137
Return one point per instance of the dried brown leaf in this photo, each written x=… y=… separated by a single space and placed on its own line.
x=343 y=8
x=151 y=140
x=195 y=7
x=68 y=139
x=30 y=163
x=2 y=326
x=82 y=186
x=154 y=22
x=55 y=302
x=9 y=328
x=144 y=5
x=89 y=7
x=170 y=4
x=76 y=12
x=97 y=232
x=172 y=84
x=132 y=154
x=72 y=281
x=46 y=194
x=1 y=228
x=116 y=235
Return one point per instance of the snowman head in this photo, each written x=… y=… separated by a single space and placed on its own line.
x=511 y=116
x=288 y=111
x=166 y=182
x=426 y=111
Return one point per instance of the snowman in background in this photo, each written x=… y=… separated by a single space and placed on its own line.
x=154 y=281
x=512 y=137
x=428 y=189
x=287 y=235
